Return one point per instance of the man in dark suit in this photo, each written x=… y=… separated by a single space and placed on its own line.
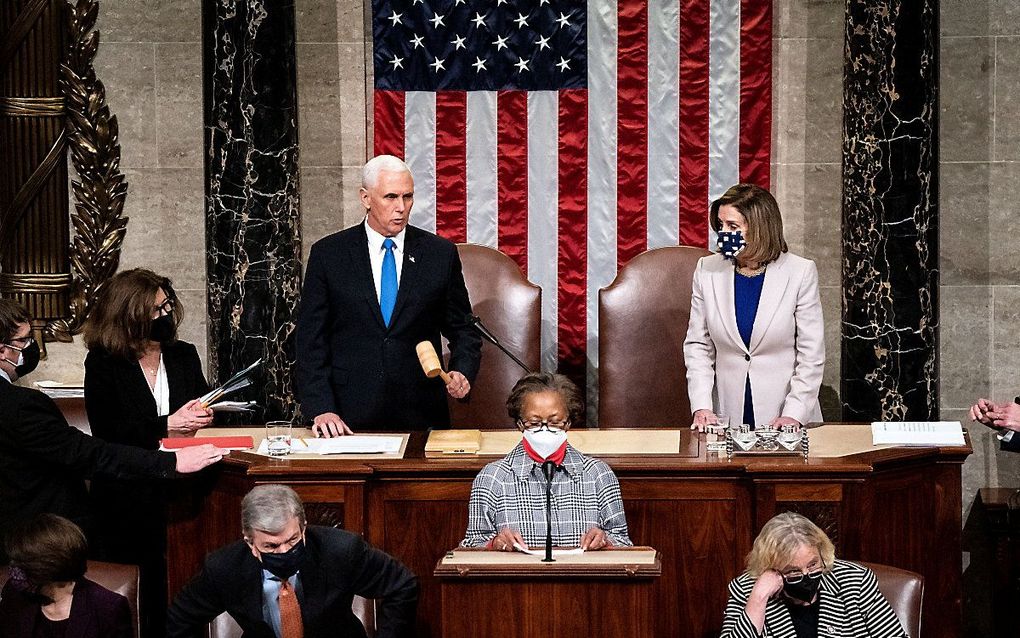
x=287 y=579
x=371 y=294
x=43 y=460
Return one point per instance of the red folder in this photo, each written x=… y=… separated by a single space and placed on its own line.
x=223 y=442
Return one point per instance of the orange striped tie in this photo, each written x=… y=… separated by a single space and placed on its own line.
x=290 y=612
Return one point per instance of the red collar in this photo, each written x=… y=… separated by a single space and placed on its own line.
x=556 y=457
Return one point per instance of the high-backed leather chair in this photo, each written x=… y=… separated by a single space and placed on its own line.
x=122 y=579
x=225 y=627
x=643 y=319
x=905 y=592
x=510 y=306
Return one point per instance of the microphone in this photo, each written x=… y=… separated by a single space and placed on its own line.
x=548 y=470
x=476 y=322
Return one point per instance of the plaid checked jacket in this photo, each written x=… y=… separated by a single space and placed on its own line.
x=510 y=492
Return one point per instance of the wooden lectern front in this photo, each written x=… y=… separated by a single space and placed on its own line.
x=609 y=593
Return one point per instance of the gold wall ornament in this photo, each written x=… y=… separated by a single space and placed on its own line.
x=98 y=220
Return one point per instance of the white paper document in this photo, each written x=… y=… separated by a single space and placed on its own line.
x=352 y=444
x=917 y=433
x=555 y=552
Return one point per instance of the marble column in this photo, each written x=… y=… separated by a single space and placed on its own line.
x=253 y=235
x=890 y=211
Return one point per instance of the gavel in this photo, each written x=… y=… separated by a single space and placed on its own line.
x=430 y=361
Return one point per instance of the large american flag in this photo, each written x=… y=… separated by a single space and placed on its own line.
x=573 y=136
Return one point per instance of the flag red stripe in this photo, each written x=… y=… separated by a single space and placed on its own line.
x=389 y=123
x=512 y=169
x=694 y=25
x=572 y=263
x=755 y=91
x=451 y=165
x=632 y=131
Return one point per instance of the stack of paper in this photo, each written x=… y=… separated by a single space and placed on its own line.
x=920 y=433
x=56 y=390
x=237 y=382
x=352 y=444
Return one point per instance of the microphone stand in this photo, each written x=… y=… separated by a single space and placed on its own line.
x=476 y=323
x=549 y=470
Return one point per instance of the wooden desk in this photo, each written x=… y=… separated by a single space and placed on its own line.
x=899 y=506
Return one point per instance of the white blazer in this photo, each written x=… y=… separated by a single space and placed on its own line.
x=787 y=354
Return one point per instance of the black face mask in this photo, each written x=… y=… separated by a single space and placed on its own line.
x=284 y=565
x=804 y=591
x=29 y=360
x=163 y=329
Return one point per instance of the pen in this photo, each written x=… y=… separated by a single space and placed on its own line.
x=303 y=442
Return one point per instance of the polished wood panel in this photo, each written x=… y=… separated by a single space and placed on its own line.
x=901 y=507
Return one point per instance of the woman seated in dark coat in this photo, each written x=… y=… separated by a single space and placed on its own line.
x=795 y=586
x=142 y=384
x=47 y=593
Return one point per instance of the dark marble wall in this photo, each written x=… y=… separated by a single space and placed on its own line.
x=890 y=211
x=253 y=238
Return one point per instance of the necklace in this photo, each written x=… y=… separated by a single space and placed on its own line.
x=751 y=273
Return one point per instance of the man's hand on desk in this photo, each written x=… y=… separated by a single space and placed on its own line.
x=778 y=422
x=595 y=538
x=459 y=386
x=193 y=459
x=327 y=425
x=505 y=539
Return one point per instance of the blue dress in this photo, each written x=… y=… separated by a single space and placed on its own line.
x=746 y=295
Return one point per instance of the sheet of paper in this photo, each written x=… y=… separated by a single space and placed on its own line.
x=541 y=552
x=917 y=433
x=353 y=444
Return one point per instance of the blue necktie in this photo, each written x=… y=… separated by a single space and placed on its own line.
x=388 y=282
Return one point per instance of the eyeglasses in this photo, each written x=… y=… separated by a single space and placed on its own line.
x=536 y=425
x=795 y=577
x=167 y=307
x=25 y=341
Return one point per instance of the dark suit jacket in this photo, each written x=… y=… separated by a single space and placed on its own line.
x=350 y=363
x=44 y=461
x=121 y=409
x=96 y=612
x=338 y=565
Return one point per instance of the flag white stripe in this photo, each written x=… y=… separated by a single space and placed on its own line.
x=543 y=204
x=482 y=202
x=602 y=134
x=663 y=116
x=420 y=155
x=723 y=99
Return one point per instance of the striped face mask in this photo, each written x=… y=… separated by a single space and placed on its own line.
x=730 y=243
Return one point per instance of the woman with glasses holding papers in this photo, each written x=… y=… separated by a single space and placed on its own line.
x=795 y=586
x=507 y=510
x=141 y=384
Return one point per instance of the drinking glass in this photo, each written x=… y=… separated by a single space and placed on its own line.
x=278 y=438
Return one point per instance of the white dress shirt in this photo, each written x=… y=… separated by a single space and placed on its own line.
x=160 y=389
x=376 y=252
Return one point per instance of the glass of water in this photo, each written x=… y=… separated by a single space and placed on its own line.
x=278 y=438
x=715 y=434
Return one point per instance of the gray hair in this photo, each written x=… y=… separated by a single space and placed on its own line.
x=378 y=164
x=268 y=508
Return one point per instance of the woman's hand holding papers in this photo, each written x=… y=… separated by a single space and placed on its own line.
x=505 y=539
x=190 y=417
x=595 y=538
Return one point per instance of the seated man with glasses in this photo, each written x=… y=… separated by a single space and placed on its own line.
x=508 y=497
x=795 y=586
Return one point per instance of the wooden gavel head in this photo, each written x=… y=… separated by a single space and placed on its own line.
x=430 y=361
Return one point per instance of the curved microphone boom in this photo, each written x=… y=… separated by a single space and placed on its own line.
x=476 y=323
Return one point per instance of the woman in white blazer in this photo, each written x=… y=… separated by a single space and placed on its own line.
x=794 y=586
x=755 y=346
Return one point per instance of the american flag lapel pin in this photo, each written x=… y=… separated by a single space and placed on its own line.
x=410 y=258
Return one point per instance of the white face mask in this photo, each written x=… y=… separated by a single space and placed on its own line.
x=545 y=442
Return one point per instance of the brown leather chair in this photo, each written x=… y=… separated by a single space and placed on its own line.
x=510 y=306
x=905 y=592
x=122 y=579
x=225 y=627
x=73 y=409
x=643 y=319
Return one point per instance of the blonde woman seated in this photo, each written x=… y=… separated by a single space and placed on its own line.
x=508 y=505
x=795 y=586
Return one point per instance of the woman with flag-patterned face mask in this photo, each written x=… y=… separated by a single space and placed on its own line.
x=755 y=346
x=507 y=510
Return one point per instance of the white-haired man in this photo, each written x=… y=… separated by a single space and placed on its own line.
x=371 y=293
x=287 y=579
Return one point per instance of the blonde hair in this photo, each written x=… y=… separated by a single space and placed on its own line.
x=779 y=540
x=765 y=240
